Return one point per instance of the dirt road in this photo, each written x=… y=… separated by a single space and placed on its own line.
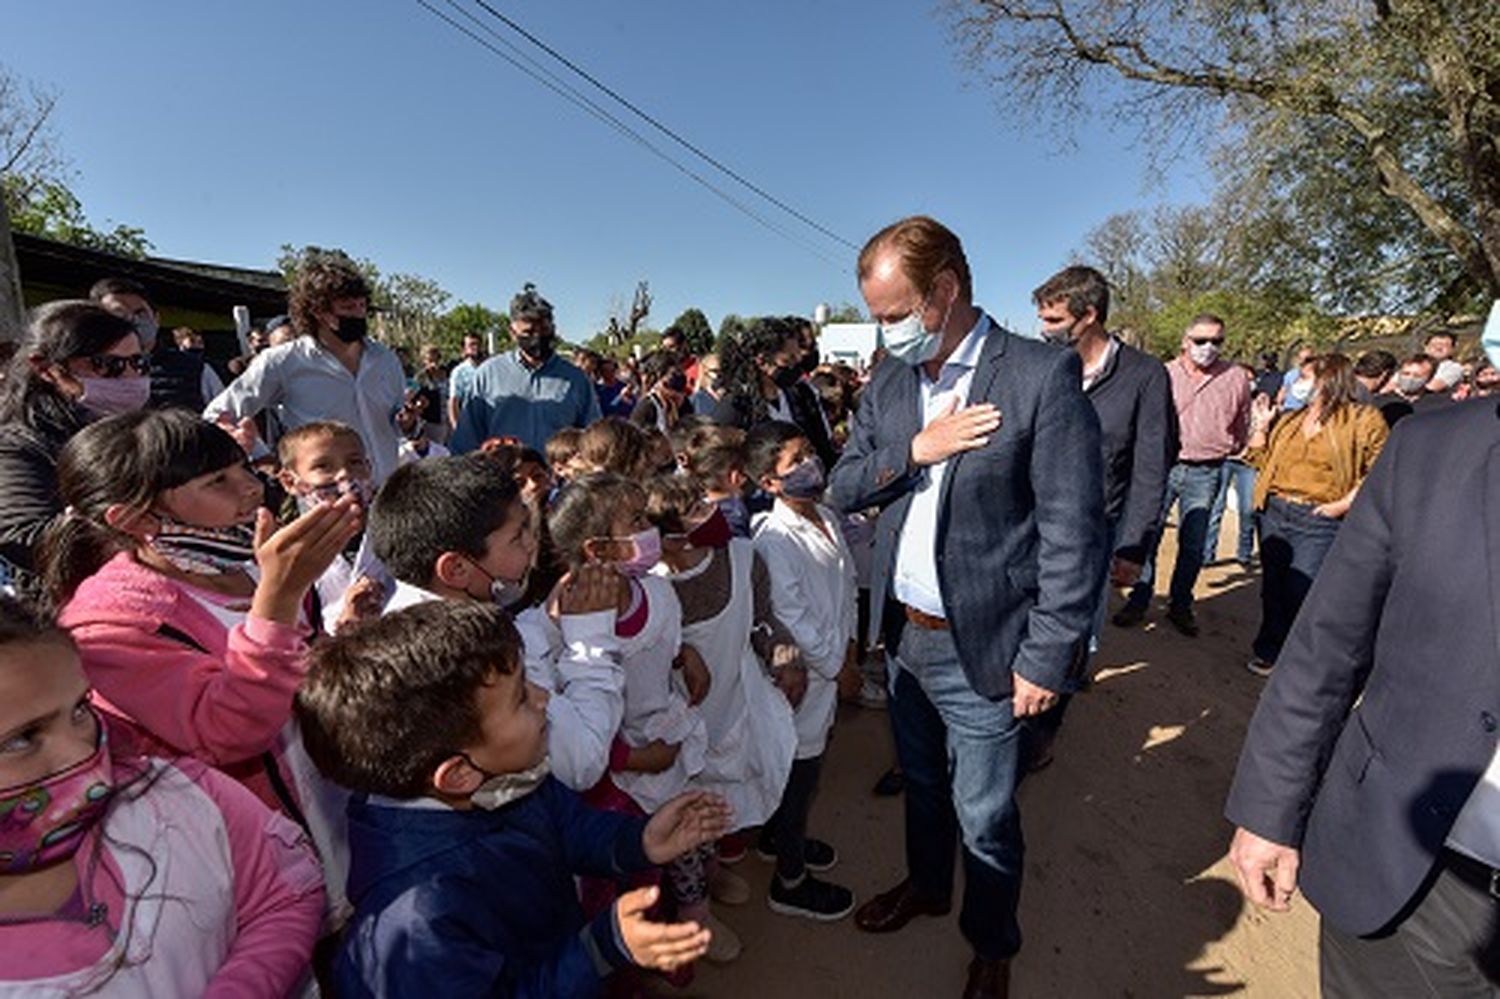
x=1126 y=893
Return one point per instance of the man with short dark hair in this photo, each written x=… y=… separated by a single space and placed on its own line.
x=1212 y=397
x=461 y=378
x=529 y=393
x=179 y=378
x=1408 y=391
x=1440 y=346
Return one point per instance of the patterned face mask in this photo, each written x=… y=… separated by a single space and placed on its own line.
x=44 y=822
x=206 y=550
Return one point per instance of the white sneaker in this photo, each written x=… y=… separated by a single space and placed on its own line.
x=725 y=944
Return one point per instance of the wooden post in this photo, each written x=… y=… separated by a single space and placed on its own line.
x=12 y=310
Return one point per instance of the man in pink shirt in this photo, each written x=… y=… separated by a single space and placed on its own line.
x=1213 y=414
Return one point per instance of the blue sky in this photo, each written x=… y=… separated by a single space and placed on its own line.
x=227 y=129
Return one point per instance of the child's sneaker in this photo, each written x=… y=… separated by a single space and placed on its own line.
x=724 y=946
x=810 y=898
x=816 y=854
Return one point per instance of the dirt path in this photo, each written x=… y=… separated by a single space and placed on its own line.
x=1127 y=892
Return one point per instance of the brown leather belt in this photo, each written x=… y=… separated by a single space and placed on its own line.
x=922 y=619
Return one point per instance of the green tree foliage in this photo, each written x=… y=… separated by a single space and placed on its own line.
x=1360 y=139
x=846 y=312
x=49 y=209
x=695 y=330
x=472 y=318
x=730 y=325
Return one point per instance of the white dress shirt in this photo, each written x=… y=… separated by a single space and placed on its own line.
x=302 y=382
x=915 y=580
x=1476 y=833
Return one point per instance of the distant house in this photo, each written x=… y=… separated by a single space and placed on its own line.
x=851 y=343
x=186 y=293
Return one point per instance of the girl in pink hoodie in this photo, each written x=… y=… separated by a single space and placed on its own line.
x=126 y=875
x=186 y=609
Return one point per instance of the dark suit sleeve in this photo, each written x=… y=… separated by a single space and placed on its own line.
x=1155 y=451
x=872 y=472
x=1066 y=479
x=1321 y=669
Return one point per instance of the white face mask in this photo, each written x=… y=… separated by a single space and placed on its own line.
x=1203 y=354
x=909 y=341
x=500 y=790
x=1302 y=389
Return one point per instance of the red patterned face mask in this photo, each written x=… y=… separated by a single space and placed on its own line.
x=44 y=822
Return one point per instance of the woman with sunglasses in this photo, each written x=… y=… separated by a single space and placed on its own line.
x=76 y=364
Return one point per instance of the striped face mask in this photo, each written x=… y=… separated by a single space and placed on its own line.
x=209 y=551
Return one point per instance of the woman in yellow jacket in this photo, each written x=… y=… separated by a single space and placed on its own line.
x=1311 y=464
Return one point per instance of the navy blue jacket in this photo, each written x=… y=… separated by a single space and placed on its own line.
x=1020 y=533
x=483 y=903
x=1382 y=711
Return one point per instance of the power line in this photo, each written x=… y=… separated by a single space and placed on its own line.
x=660 y=127
x=573 y=96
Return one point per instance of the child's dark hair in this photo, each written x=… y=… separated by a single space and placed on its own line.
x=713 y=451
x=561 y=447
x=763 y=446
x=126 y=460
x=614 y=445
x=587 y=509
x=23 y=622
x=669 y=499
x=439 y=505
x=385 y=703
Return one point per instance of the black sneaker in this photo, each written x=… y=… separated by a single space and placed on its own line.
x=1130 y=615
x=816 y=854
x=890 y=784
x=1183 y=620
x=811 y=898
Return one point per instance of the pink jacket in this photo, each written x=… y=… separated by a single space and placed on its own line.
x=190 y=687
x=205 y=890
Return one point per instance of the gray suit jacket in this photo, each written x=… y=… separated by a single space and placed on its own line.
x=1020 y=534
x=1382 y=712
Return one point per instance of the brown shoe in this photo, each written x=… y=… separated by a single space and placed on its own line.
x=888 y=912
x=988 y=979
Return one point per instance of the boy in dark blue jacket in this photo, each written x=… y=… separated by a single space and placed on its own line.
x=463 y=849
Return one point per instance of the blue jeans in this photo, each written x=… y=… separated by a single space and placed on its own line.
x=1293 y=543
x=960 y=753
x=1242 y=476
x=1192 y=488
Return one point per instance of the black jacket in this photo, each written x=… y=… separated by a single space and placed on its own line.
x=807 y=413
x=177 y=380
x=28 y=483
x=1138 y=423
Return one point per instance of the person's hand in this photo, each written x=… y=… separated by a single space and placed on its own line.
x=1262 y=412
x=1267 y=871
x=244 y=432
x=652 y=758
x=661 y=946
x=695 y=674
x=363 y=601
x=1333 y=511
x=685 y=823
x=586 y=590
x=954 y=430
x=1027 y=698
x=792 y=682
x=291 y=559
x=1123 y=572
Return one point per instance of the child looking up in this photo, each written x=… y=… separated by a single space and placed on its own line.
x=123 y=875
x=715 y=456
x=464 y=848
x=457 y=529
x=813 y=593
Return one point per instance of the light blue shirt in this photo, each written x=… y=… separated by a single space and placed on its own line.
x=461 y=381
x=301 y=382
x=511 y=400
x=915 y=580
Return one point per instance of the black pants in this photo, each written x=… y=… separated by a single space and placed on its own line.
x=1448 y=947
x=787 y=826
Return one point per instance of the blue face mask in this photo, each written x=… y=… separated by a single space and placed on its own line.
x=909 y=341
x=805 y=481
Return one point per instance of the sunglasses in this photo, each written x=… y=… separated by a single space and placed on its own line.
x=1206 y=339
x=114 y=365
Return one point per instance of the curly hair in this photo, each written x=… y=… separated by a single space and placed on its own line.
x=321 y=279
x=740 y=357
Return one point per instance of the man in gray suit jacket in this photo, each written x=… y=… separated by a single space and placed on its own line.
x=982 y=454
x=1370 y=773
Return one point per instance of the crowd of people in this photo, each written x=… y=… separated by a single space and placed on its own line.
x=360 y=672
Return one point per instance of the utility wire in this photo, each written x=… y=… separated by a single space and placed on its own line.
x=570 y=94
x=660 y=127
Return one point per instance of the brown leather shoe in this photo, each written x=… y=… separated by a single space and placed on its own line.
x=889 y=911
x=988 y=979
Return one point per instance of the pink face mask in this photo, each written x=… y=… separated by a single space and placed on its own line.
x=44 y=822
x=645 y=549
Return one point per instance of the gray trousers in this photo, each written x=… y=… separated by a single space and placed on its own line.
x=1448 y=947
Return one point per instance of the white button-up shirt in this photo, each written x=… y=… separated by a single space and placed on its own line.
x=301 y=382
x=915 y=580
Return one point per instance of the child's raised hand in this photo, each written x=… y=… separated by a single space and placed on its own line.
x=244 y=432
x=586 y=590
x=687 y=821
x=293 y=558
x=695 y=674
x=663 y=946
x=363 y=601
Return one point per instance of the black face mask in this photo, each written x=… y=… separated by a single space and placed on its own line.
x=811 y=360
x=352 y=328
x=537 y=346
x=786 y=375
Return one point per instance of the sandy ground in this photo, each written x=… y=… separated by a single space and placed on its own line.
x=1127 y=891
